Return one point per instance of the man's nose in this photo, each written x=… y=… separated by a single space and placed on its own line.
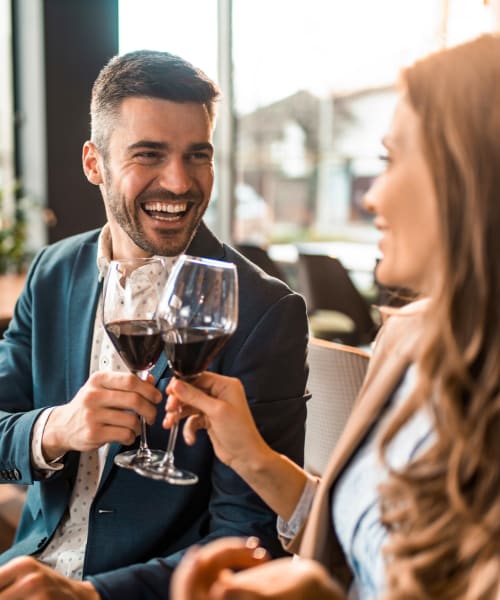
x=175 y=176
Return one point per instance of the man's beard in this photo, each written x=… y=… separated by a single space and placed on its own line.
x=131 y=225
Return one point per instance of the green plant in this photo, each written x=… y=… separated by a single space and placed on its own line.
x=12 y=237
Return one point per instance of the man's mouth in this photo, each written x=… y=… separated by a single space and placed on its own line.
x=165 y=211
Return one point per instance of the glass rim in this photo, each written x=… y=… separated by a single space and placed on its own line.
x=202 y=260
x=143 y=259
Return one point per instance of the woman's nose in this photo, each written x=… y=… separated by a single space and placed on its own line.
x=368 y=203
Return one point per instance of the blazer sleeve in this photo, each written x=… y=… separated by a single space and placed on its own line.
x=17 y=410
x=271 y=363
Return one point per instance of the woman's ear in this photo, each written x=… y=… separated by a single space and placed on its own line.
x=91 y=163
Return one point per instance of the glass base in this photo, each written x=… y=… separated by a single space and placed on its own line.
x=170 y=474
x=131 y=459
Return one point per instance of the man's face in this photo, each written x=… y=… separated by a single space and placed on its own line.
x=156 y=177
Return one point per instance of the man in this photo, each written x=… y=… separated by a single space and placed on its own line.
x=65 y=412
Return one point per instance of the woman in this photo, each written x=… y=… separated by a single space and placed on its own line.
x=409 y=506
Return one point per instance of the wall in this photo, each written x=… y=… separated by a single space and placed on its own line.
x=60 y=47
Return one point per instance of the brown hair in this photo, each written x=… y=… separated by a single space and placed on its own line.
x=443 y=509
x=145 y=73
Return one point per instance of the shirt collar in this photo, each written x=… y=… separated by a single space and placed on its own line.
x=105 y=253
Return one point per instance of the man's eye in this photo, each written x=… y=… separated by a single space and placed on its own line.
x=200 y=156
x=147 y=155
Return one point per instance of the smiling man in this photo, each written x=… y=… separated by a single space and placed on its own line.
x=90 y=529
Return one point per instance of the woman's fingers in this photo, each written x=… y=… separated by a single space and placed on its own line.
x=191 y=426
x=201 y=567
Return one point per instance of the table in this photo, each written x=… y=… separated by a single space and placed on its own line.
x=11 y=286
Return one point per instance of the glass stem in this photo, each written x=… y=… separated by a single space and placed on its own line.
x=168 y=460
x=143 y=450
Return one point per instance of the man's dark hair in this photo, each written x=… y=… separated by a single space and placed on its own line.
x=147 y=74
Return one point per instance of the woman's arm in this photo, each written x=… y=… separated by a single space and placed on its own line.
x=220 y=406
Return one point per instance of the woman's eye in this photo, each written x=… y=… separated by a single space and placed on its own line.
x=386 y=159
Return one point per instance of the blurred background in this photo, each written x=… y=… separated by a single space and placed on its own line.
x=308 y=91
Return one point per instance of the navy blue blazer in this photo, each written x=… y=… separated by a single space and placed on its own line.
x=138 y=528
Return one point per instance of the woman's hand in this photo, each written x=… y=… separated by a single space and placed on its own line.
x=227 y=569
x=219 y=405
x=201 y=566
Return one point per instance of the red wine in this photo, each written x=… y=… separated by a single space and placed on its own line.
x=138 y=342
x=190 y=350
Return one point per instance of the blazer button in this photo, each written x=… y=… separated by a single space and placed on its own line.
x=3 y=474
x=17 y=474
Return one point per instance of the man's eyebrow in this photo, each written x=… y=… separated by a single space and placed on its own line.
x=148 y=144
x=201 y=146
x=164 y=146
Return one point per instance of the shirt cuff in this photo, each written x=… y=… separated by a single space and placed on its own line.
x=287 y=530
x=37 y=458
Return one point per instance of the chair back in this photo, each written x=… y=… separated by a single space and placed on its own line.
x=261 y=258
x=326 y=286
x=336 y=372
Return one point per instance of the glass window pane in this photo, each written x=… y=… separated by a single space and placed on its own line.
x=314 y=93
x=187 y=28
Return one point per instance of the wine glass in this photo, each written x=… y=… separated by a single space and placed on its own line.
x=131 y=293
x=197 y=314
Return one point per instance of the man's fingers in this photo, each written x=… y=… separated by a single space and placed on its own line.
x=126 y=382
x=15 y=569
x=107 y=407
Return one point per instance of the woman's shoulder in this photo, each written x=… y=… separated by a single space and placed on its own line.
x=401 y=328
x=404 y=318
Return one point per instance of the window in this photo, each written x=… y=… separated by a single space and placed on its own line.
x=313 y=94
x=7 y=173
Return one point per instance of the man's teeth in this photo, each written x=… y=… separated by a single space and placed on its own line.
x=165 y=211
x=167 y=208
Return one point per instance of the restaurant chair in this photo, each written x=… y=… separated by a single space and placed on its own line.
x=337 y=310
x=336 y=372
x=261 y=258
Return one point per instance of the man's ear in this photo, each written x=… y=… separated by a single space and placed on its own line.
x=91 y=163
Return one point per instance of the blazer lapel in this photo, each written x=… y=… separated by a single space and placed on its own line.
x=205 y=244
x=83 y=294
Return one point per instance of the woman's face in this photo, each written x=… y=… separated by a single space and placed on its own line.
x=404 y=203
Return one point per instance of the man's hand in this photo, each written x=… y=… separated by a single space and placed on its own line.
x=24 y=578
x=106 y=409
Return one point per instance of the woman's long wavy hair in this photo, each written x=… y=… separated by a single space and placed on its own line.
x=443 y=510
